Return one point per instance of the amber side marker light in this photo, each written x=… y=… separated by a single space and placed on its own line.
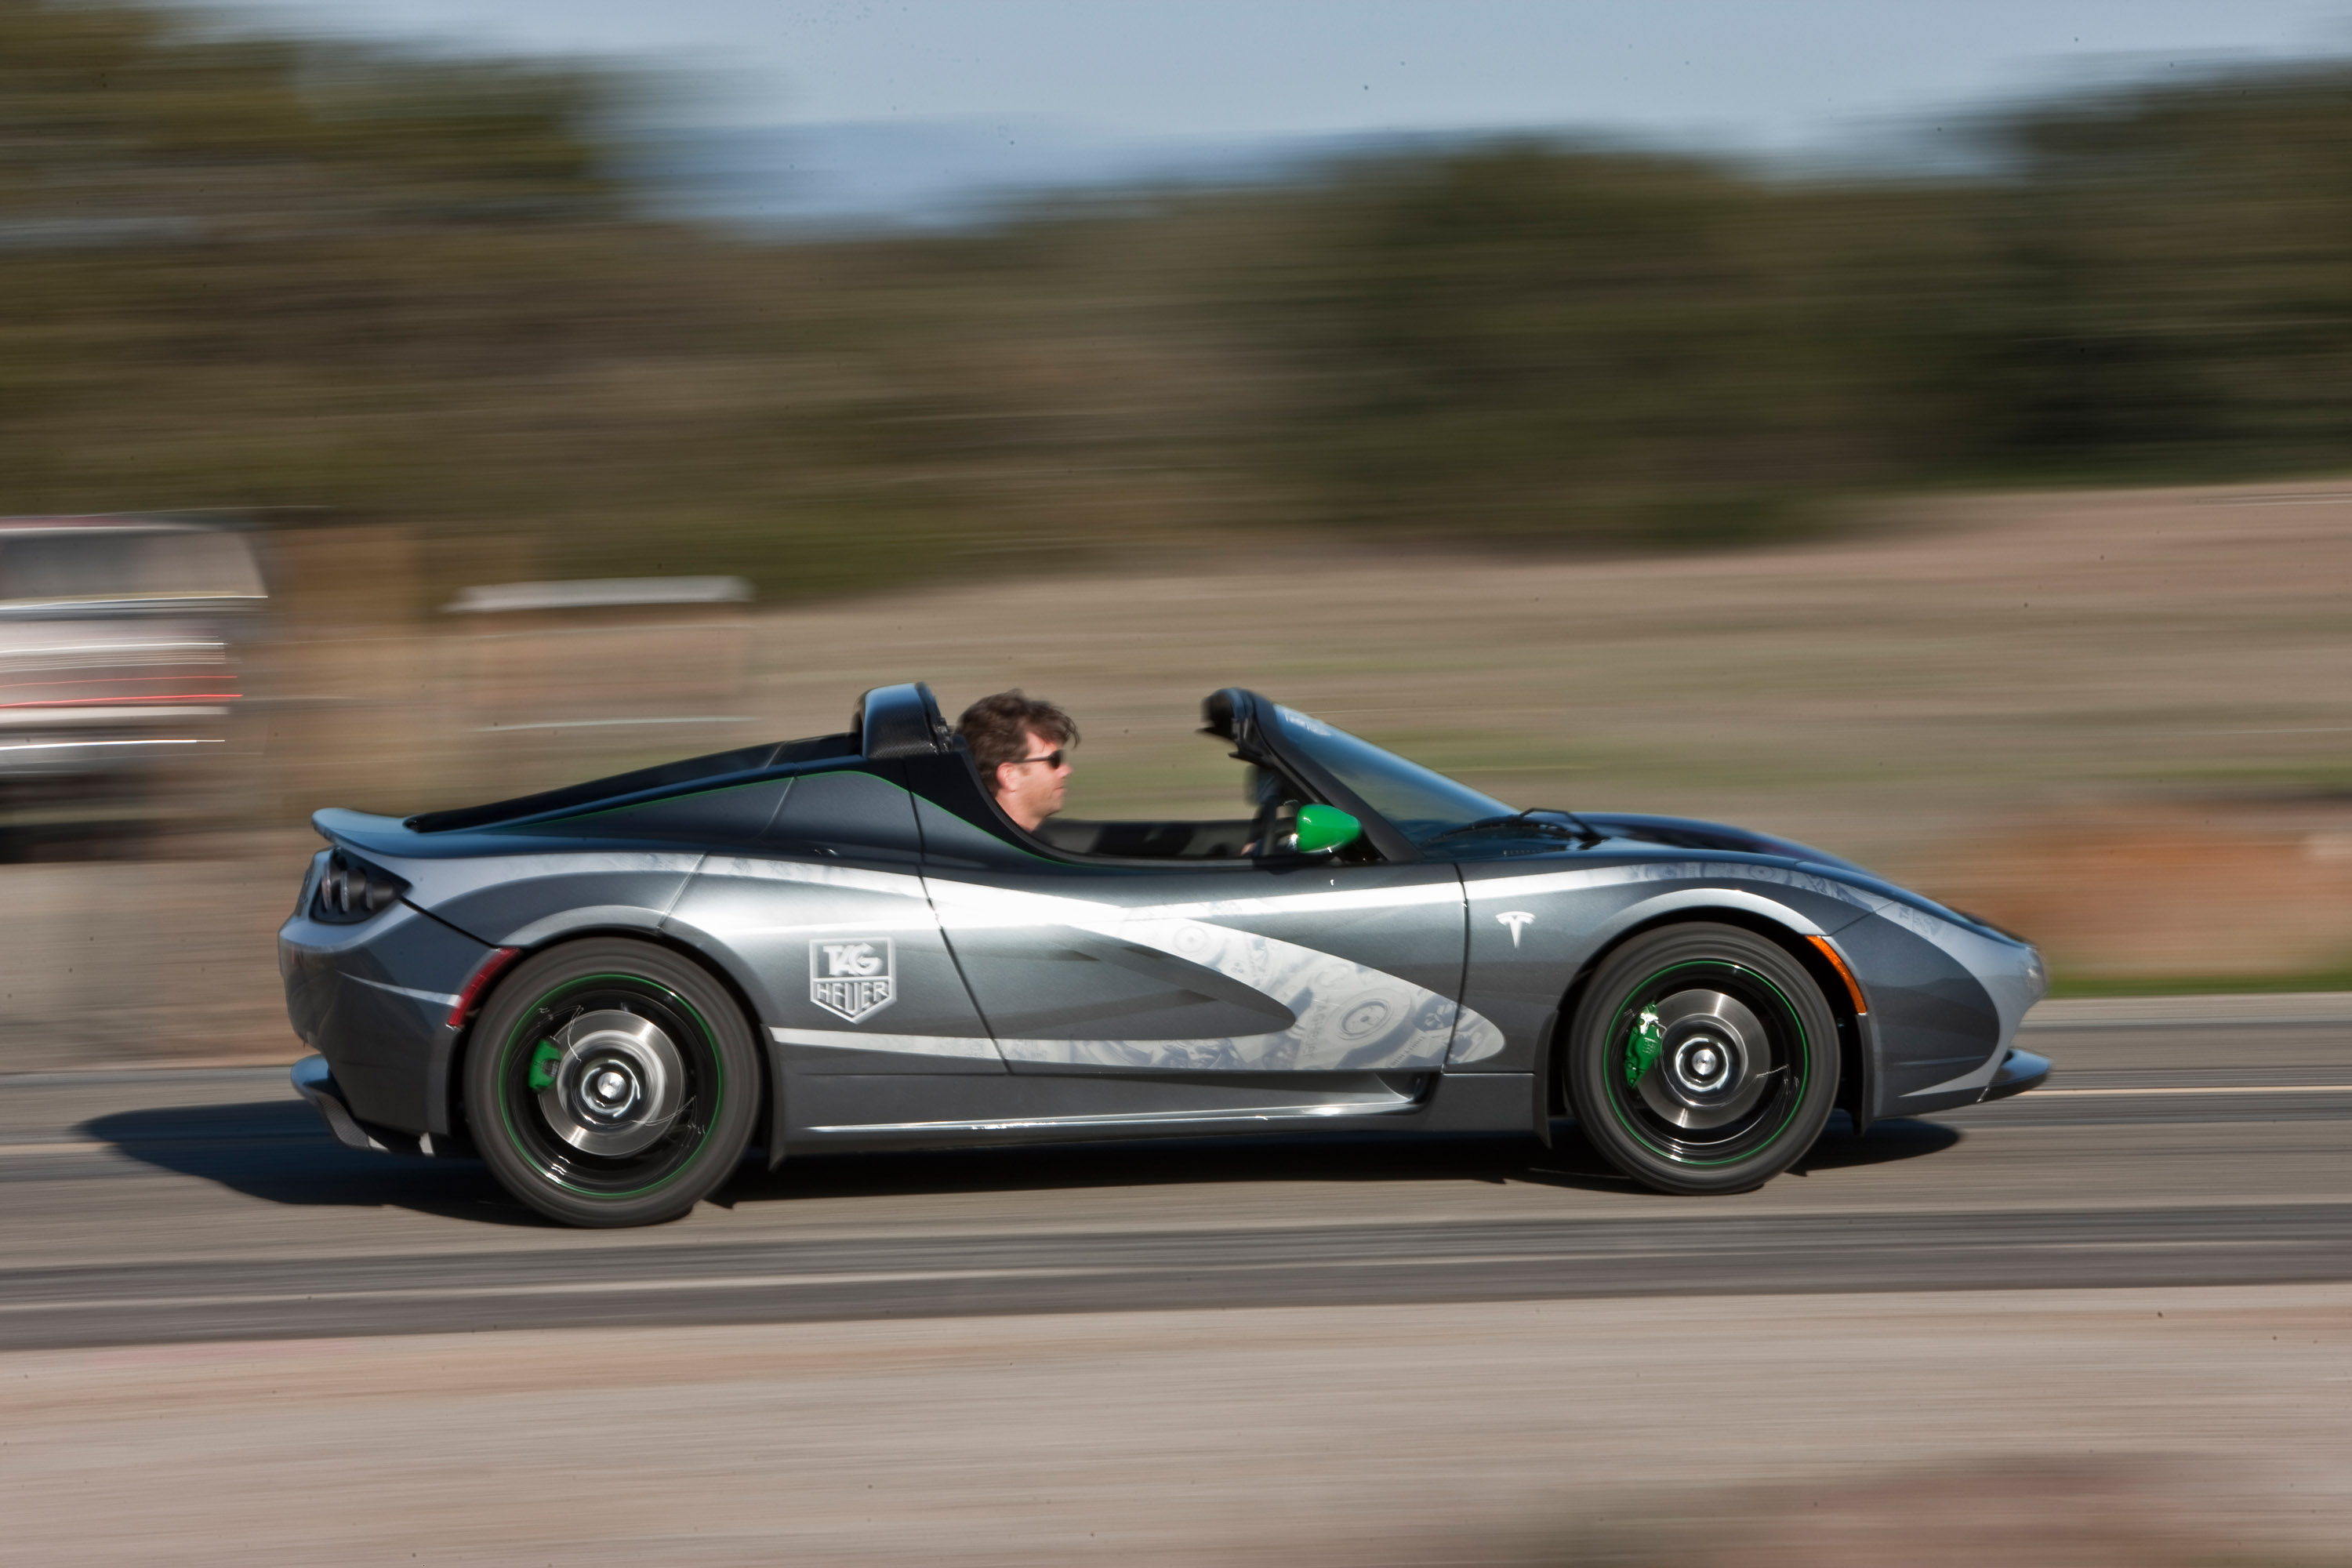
x=1853 y=986
x=471 y=996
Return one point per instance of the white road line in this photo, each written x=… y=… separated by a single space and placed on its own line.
x=2208 y=1089
x=562 y=1288
x=670 y=1285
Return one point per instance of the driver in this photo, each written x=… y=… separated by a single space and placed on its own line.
x=1023 y=749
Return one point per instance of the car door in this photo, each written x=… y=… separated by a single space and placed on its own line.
x=854 y=980
x=1292 y=967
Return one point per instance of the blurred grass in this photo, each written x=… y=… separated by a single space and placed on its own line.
x=2064 y=983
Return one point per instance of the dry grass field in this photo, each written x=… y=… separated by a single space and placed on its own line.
x=2118 y=721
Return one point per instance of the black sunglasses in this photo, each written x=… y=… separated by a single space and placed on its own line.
x=1052 y=758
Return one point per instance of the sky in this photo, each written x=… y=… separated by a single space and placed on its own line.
x=1764 y=75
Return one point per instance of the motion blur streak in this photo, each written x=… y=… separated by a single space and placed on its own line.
x=1979 y=523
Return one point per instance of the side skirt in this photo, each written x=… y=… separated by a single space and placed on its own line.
x=959 y=1113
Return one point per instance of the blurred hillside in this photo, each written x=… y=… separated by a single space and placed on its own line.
x=255 y=274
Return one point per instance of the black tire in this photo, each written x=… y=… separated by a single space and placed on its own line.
x=1702 y=1058
x=611 y=1082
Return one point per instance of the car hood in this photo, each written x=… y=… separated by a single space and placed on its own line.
x=1689 y=833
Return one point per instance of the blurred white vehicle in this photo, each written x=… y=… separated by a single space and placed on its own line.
x=118 y=673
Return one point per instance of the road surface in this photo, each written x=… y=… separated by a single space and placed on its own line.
x=146 y=1206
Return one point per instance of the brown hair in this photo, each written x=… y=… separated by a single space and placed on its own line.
x=997 y=728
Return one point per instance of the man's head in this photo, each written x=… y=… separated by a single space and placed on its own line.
x=1022 y=748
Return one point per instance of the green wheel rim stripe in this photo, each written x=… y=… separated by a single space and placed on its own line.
x=514 y=1039
x=1803 y=1063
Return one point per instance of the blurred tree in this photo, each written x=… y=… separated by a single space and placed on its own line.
x=234 y=266
x=2175 y=285
x=1530 y=342
x=246 y=272
x=167 y=130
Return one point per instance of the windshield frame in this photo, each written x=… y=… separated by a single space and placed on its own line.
x=1350 y=763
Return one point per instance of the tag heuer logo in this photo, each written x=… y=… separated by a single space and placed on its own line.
x=852 y=979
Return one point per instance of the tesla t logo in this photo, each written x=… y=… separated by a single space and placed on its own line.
x=1518 y=920
x=852 y=980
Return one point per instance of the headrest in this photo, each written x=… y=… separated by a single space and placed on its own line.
x=900 y=721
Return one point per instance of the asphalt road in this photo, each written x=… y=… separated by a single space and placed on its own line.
x=143 y=1206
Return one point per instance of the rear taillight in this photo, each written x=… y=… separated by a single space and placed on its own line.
x=351 y=890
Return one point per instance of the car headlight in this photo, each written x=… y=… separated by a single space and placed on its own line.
x=351 y=890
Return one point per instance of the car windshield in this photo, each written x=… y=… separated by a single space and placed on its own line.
x=1421 y=803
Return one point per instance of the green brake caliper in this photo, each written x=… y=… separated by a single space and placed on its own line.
x=1642 y=1051
x=543 y=1064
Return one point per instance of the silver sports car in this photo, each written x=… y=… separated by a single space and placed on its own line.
x=610 y=992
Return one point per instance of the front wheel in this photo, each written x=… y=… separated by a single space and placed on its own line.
x=611 y=1082
x=1702 y=1058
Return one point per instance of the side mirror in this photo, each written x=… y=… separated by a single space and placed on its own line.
x=1323 y=828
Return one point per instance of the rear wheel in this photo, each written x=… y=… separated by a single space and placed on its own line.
x=1703 y=1058
x=612 y=1082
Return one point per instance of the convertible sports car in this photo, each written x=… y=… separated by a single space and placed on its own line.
x=611 y=992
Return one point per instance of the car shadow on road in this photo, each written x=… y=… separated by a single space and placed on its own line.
x=1898 y=1138
x=1494 y=1159
x=278 y=1150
